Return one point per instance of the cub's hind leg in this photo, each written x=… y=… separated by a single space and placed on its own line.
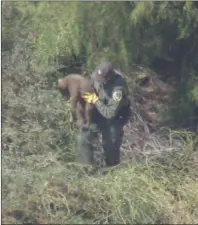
x=88 y=114
x=80 y=115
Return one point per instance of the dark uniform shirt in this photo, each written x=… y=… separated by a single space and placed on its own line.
x=113 y=96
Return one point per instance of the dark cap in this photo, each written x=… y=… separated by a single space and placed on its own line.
x=103 y=72
x=104 y=69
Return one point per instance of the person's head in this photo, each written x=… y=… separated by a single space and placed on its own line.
x=104 y=72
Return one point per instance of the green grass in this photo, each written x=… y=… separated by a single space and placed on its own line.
x=64 y=193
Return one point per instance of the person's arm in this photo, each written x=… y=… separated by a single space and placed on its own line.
x=110 y=109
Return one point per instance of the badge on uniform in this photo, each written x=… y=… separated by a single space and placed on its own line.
x=117 y=95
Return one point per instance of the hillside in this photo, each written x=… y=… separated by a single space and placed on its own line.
x=157 y=180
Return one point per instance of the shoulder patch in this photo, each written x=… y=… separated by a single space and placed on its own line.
x=117 y=95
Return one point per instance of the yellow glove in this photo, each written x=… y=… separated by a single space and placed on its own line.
x=90 y=98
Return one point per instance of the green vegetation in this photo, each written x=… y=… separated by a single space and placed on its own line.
x=157 y=181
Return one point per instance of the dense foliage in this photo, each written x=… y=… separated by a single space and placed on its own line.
x=162 y=35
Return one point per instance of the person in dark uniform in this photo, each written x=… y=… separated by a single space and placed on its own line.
x=112 y=111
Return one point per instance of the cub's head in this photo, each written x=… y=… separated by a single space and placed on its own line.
x=63 y=87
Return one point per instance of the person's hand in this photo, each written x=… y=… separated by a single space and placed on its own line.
x=91 y=98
